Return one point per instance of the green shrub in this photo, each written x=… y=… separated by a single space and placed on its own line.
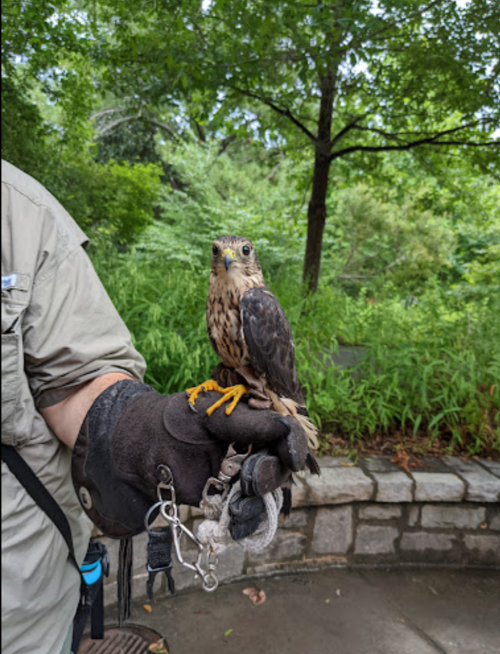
x=112 y=201
x=429 y=366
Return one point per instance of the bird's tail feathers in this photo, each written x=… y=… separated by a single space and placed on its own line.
x=310 y=429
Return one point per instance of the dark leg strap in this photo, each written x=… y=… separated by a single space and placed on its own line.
x=124 y=579
x=92 y=595
x=97 y=614
x=81 y=617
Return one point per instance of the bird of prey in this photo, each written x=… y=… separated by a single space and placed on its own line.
x=252 y=336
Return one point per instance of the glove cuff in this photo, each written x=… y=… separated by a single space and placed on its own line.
x=128 y=432
x=114 y=506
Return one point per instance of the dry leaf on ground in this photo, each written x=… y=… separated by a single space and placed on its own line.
x=255 y=595
x=402 y=459
x=147 y=608
x=159 y=647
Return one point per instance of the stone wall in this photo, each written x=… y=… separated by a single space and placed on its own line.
x=446 y=511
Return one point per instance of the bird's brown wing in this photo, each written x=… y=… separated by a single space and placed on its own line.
x=268 y=337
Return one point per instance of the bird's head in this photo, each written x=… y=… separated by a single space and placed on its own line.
x=235 y=255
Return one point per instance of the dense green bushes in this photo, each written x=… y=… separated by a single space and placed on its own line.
x=113 y=202
x=428 y=324
x=154 y=156
x=432 y=348
x=429 y=366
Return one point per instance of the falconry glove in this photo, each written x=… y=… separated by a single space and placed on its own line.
x=131 y=429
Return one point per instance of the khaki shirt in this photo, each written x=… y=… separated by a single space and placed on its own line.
x=59 y=330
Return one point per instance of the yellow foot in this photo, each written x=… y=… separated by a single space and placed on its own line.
x=234 y=392
x=209 y=385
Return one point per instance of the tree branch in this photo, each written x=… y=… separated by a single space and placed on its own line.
x=105 y=112
x=162 y=126
x=388 y=26
x=345 y=130
x=115 y=123
x=277 y=166
x=151 y=121
x=225 y=143
x=396 y=136
x=283 y=112
x=430 y=140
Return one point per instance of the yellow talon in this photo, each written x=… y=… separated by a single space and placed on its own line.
x=209 y=385
x=235 y=392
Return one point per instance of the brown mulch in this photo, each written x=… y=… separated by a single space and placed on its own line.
x=405 y=449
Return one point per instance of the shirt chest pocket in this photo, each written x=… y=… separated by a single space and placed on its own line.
x=14 y=303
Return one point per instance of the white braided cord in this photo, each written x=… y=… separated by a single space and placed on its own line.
x=215 y=534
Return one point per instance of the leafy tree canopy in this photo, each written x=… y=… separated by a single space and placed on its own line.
x=344 y=78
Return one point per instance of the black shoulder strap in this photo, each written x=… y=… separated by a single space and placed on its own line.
x=41 y=496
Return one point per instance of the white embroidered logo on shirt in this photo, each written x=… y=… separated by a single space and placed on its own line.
x=8 y=281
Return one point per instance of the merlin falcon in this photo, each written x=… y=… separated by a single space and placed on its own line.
x=252 y=336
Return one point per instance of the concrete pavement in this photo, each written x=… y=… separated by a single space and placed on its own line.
x=337 y=611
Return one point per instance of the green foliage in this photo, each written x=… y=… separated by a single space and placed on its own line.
x=23 y=130
x=484 y=273
x=217 y=195
x=227 y=54
x=429 y=364
x=163 y=305
x=133 y=142
x=368 y=239
x=206 y=121
x=112 y=200
x=427 y=367
x=45 y=44
x=41 y=32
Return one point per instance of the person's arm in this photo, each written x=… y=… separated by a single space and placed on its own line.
x=65 y=418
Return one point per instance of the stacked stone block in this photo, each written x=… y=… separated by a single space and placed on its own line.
x=444 y=512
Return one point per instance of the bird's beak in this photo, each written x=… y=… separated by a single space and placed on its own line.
x=229 y=257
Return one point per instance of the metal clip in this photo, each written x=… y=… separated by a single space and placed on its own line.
x=209 y=580
x=169 y=511
x=212 y=503
x=231 y=465
x=166 y=482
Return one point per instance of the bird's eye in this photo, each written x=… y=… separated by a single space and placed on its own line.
x=215 y=250
x=246 y=250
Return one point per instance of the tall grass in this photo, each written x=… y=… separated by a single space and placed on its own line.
x=430 y=367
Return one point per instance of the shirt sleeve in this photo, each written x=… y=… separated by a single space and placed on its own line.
x=73 y=333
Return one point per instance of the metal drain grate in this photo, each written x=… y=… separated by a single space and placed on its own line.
x=129 y=639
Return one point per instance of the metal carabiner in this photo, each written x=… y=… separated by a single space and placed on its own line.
x=169 y=511
x=231 y=464
x=149 y=514
x=210 y=582
x=165 y=508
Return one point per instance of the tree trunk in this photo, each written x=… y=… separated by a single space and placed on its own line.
x=316 y=217
x=316 y=213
